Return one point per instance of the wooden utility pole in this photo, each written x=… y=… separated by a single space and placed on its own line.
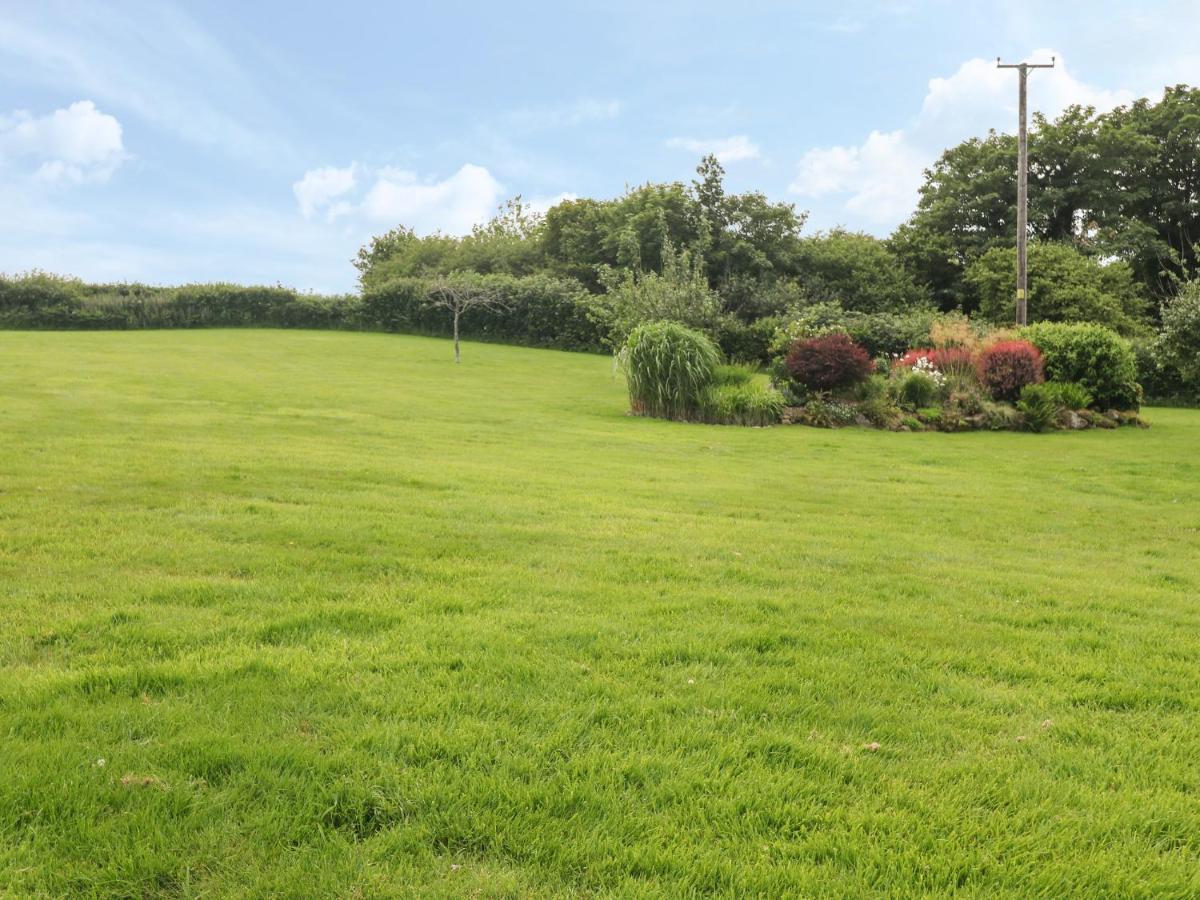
x=1023 y=186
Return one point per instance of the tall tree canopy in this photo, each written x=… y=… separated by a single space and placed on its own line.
x=1123 y=184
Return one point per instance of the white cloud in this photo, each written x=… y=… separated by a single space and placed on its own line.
x=75 y=144
x=878 y=179
x=398 y=196
x=319 y=187
x=735 y=148
x=541 y=205
x=152 y=61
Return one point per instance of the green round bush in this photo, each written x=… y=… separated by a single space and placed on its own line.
x=1093 y=356
x=667 y=367
x=916 y=389
x=1178 y=345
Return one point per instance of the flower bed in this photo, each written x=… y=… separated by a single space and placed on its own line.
x=972 y=385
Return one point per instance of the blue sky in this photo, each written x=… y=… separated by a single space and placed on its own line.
x=264 y=142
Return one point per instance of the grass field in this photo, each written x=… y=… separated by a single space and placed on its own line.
x=320 y=614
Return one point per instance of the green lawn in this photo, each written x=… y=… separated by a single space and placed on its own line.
x=320 y=614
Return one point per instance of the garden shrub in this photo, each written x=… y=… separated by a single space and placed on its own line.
x=915 y=389
x=1178 y=345
x=829 y=362
x=1040 y=405
x=886 y=334
x=1093 y=356
x=955 y=361
x=965 y=402
x=740 y=403
x=826 y=412
x=1069 y=394
x=746 y=342
x=954 y=330
x=1160 y=381
x=667 y=367
x=1000 y=416
x=1007 y=367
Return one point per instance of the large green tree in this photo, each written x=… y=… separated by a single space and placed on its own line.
x=857 y=271
x=1123 y=184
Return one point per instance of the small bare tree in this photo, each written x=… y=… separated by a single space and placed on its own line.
x=460 y=294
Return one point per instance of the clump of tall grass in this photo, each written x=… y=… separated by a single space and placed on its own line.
x=667 y=367
x=740 y=402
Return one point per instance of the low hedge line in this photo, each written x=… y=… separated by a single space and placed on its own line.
x=46 y=301
x=538 y=310
x=535 y=311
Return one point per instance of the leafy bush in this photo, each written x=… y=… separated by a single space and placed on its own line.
x=916 y=389
x=1093 y=356
x=1040 y=405
x=966 y=402
x=825 y=412
x=740 y=403
x=887 y=334
x=667 y=367
x=876 y=403
x=1067 y=286
x=827 y=363
x=679 y=293
x=856 y=271
x=746 y=342
x=1178 y=344
x=1000 y=416
x=1069 y=394
x=1007 y=367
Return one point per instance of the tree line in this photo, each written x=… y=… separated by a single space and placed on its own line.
x=1114 y=218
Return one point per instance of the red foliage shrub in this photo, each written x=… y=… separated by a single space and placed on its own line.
x=1008 y=366
x=945 y=359
x=828 y=362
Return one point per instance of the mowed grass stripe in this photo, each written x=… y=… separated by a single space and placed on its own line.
x=342 y=617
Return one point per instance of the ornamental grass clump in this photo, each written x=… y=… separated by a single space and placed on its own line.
x=1007 y=367
x=828 y=362
x=740 y=403
x=667 y=367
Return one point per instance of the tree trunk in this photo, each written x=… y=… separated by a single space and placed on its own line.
x=457 y=358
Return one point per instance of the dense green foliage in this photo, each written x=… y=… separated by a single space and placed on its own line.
x=1178 y=345
x=1092 y=356
x=690 y=253
x=737 y=397
x=41 y=300
x=880 y=334
x=536 y=310
x=1070 y=287
x=341 y=619
x=1115 y=185
x=678 y=293
x=857 y=272
x=667 y=366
